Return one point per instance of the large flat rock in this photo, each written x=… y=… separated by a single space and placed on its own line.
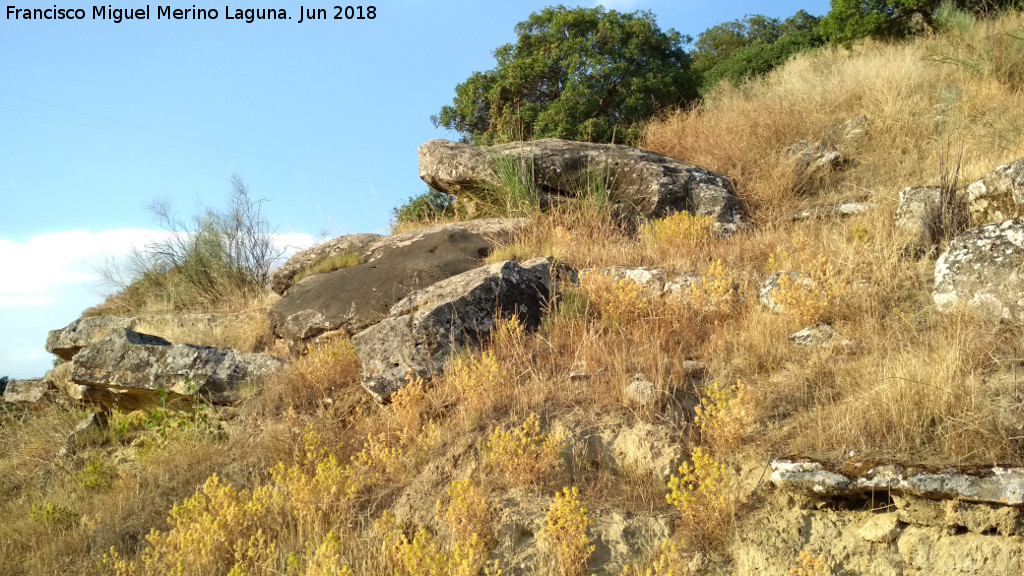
x=649 y=184
x=353 y=298
x=368 y=247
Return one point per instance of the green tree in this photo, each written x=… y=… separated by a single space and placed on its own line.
x=751 y=46
x=574 y=73
x=430 y=206
x=4 y=380
x=892 y=19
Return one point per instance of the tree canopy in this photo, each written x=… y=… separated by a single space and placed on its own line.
x=576 y=73
x=751 y=46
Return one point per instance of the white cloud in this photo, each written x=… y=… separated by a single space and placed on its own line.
x=52 y=278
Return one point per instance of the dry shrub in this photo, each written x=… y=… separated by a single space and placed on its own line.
x=705 y=495
x=667 y=561
x=524 y=455
x=327 y=373
x=468 y=515
x=480 y=382
x=424 y=555
x=918 y=393
x=722 y=416
x=411 y=405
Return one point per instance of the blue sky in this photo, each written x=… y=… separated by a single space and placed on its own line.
x=322 y=119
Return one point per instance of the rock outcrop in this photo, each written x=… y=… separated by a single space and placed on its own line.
x=993 y=486
x=655 y=281
x=926 y=215
x=424 y=329
x=86 y=331
x=354 y=298
x=999 y=195
x=648 y=184
x=369 y=247
x=812 y=161
x=133 y=363
x=984 y=268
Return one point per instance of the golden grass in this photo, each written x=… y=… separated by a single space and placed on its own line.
x=920 y=98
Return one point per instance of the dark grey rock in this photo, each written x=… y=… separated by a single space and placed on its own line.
x=354 y=298
x=423 y=330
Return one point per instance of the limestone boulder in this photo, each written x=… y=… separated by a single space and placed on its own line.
x=821 y=334
x=354 y=298
x=130 y=362
x=813 y=160
x=647 y=184
x=424 y=329
x=924 y=216
x=999 y=195
x=25 y=391
x=183 y=328
x=835 y=211
x=654 y=281
x=59 y=379
x=984 y=268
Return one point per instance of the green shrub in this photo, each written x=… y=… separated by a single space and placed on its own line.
x=430 y=206
x=215 y=258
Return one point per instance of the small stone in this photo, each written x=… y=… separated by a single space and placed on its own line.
x=694 y=369
x=579 y=371
x=821 y=334
x=641 y=392
x=881 y=528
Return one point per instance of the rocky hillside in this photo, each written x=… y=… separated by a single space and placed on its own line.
x=781 y=338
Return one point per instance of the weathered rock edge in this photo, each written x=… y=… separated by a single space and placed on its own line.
x=424 y=329
x=650 y=184
x=130 y=361
x=997 y=485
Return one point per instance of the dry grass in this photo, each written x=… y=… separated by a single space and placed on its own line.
x=918 y=97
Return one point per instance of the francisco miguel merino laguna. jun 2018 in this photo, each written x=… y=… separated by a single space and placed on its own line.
x=248 y=15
